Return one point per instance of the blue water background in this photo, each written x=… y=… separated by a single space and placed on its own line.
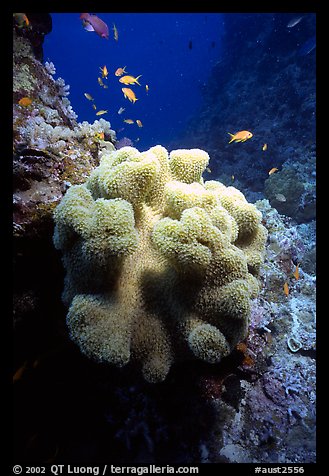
x=174 y=53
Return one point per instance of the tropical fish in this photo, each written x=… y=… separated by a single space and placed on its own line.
x=94 y=106
x=129 y=80
x=21 y=20
x=264 y=147
x=25 y=101
x=139 y=123
x=94 y=23
x=240 y=136
x=147 y=88
x=286 y=289
x=232 y=178
x=280 y=197
x=129 y=94
x=104 y=71
x=273 y=170
x=19 y=373
x=121 y=71
x=99 y=135
x=296 y=272
x=128 y=121
x=101 y=112
x=294 y=21
x=115 y=32
x=120 y=111
x=88 y=96
x=100 y=82
x=208 y=169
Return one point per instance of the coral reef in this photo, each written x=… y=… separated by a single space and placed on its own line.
x=161 y=266
x=51 y=149
x=276 y=404
x=179 y=253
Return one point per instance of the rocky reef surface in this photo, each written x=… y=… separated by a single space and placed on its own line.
x=264 y=83
x=256 y=405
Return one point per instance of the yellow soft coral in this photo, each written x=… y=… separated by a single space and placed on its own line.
x=160 y=265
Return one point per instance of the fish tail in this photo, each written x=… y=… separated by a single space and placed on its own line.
x=232 y=137
x=136 y=79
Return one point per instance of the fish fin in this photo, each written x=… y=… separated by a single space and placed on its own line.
x=136 y=79
x=87 y=26
x=232 y=137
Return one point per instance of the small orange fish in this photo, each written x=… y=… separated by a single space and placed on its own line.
x=129 y=94
x=99 y=135
x=139 y=123
x=19 y=373
x=129 y=80
x=101 y=112
x=100 y=82
x=273 y=170
x=232 y=178
x=286 y=289
x=25 y=101
x=296 y=272
x=240 y=136
x=94 y=106
x=104 y=71
x=264 y=147
x=147 y=88
x=115 y=32
x=128 y=121
x=121 y=71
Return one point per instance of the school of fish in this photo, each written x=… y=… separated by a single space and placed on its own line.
x=91 y=22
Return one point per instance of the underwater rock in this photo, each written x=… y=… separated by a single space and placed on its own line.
x=290 y=196
x=50 y=147
x=161 y=266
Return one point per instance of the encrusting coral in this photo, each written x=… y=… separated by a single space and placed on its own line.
x=160 y=265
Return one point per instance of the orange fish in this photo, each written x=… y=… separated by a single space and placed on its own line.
x=296 y=272
x=286 y=289
x=147 y=88
x=25 y=101
x=104 y=71
x=99 y=135
x=129 y=80
x=129 y=94
x=264 y=147
x=240 y=136
x=128 y=121
x=273 y=170
x=19 y=373
x=121 y=71
x=139 y=123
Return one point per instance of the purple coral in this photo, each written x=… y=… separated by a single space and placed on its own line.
x=124 y=142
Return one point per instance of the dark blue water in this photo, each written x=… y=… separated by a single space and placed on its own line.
x=173 y=52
